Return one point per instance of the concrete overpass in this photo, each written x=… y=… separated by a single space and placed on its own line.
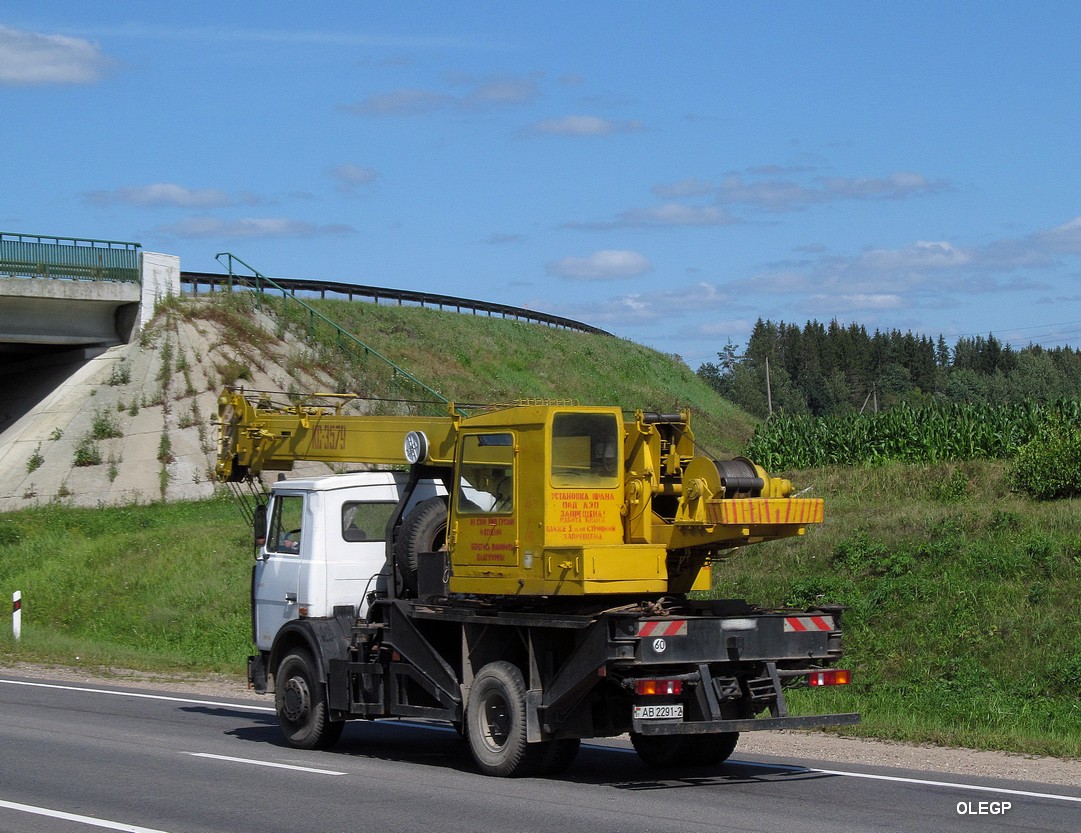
x=65 y=301
x=78 y=293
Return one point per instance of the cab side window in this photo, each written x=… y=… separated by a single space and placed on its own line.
x=363 y=521
x=286 y=524
x=486 y=474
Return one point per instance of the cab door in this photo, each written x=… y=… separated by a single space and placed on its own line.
x=279 y=568
x=486 y=496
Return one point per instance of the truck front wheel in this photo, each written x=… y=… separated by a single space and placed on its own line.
x=301 y=703
x=496 y=723
x=667 y=751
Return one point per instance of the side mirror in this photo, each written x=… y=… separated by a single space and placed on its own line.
x=259 y=526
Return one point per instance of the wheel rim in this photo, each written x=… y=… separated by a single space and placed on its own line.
x=296 y=704
x=495 y=722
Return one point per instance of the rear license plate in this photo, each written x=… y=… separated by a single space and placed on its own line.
x=664 y=711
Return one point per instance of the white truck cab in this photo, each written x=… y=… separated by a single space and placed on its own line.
x=324 y=546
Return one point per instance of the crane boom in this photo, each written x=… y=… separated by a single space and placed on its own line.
x=542 y=499
x=256 y=435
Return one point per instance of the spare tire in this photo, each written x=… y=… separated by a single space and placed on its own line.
x=423 y=530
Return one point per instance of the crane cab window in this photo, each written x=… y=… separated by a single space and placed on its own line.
x=486 y=474
x=365 y=521
x=286 y=524
x=585 y=450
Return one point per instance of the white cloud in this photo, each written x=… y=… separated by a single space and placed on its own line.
x=247 y=228
x=354 y=174
x=502 y=238
x=894 y=186
x=781 y=195
x=775 y=195
x=772 y=195
x=1065 y=238
x=351 y=177
x=584 y=126
x=835 y=304
x=486 y=95
x=725 y=329
x=303 y=37
x=921 y=257
x=684 y=188
x=162 y=194
x=403 y=102
x=30 y=58
x=924 y=273
x=501 y=92
x=647 y=307
x=605 y=264
x=669 y=214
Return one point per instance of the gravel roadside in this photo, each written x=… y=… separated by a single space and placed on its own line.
x=819 y=747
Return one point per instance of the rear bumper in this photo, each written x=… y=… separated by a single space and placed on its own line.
x=753 y=724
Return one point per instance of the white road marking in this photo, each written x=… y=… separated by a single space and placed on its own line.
x=952 y=784
x=135 y=694
x=795 y=770
x=57 y=814
x=265 y=763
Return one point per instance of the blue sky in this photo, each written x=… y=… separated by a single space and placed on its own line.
x=670 y=172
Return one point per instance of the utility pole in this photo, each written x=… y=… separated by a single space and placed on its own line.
x=871 y=394
x=769 y=393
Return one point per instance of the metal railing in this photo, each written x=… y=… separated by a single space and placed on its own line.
x=376 y=294
x=68 y=258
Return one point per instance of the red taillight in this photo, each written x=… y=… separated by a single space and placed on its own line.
x=830 y=676
x=649 y=687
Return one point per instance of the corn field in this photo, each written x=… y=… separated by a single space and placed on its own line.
x=929 y=434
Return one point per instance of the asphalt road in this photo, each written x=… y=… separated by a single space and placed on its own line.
x=82 y=758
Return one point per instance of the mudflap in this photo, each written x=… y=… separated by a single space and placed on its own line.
x=257 y=673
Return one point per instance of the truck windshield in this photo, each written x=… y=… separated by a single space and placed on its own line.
x=585 y=450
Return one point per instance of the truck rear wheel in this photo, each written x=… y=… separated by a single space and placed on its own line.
x=301 y=703
x=423 y=530
x=496 y=723
x=667 y=751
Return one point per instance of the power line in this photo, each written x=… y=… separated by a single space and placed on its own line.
x=1016 y=329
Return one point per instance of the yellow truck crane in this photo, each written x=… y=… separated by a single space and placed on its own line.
x=524 y=575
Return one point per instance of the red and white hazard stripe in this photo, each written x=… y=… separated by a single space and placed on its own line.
x=798 y=624
x=664 y=627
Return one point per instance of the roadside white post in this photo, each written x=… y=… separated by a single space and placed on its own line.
x=17 y=614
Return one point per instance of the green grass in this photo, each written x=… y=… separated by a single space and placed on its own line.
x=154 y=586
x=962 y=623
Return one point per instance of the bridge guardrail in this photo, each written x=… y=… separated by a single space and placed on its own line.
x=213 y=280
x=68 y=258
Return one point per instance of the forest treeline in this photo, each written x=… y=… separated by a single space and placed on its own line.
x=831 y=370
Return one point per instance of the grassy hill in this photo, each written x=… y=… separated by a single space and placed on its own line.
x=962 y=624
x=477 y=359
